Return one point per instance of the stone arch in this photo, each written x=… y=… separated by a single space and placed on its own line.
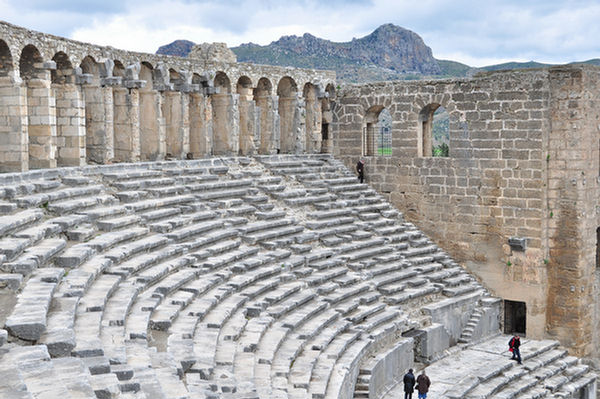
x=369 y=136
x=30 y=56
x=225 y=112
x=6 y=60
x=327 y=118
x=222 y=83
x=152 y=141
x=199 y=122
x=64 y=69
x=425 y=137
x=90 y=66
x=174 y=76
x=119 y=69
x=263 y=98
x=175 y=113
x=288 y=116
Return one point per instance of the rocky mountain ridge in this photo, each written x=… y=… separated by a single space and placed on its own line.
x=390 y=52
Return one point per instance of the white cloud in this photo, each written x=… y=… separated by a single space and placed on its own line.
x=473 y=32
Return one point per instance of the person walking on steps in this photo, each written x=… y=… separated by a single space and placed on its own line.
x=513 y=346
x=409 y=384
x=423 y=384
x=360 y=169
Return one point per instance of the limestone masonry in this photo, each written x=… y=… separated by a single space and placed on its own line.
x=193 y=228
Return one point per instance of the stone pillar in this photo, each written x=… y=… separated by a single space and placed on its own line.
x=248 y=115
x=70 y=124
x=313 y=125
x=572 y=163
x=41 y=110
x=127 y=124
x=99 y=123
x=226 y=126
x=299 y=127
x=13 y=126
x=176 y=113
x=152 y=126
x=200 y=125
x=269 y=124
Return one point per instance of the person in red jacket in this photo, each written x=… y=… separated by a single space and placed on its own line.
x=423 y=384
x=513 y=345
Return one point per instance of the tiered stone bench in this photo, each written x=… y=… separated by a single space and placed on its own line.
x=267 y=277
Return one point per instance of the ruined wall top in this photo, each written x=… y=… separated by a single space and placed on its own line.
x=212 y=52
x=215 y=59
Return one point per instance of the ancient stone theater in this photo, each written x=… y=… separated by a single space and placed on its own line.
x=191 y=228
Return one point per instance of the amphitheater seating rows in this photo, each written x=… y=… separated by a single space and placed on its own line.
x=266 y=277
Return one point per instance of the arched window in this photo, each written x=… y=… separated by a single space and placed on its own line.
x=434 y=136
x=377 y=132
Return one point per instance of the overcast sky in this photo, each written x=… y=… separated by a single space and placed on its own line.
x=477 y=33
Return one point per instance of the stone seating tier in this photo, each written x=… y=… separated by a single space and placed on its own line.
x=268 y=277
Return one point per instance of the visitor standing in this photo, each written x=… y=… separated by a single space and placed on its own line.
x=409 y=384
x=360 y=169
x=513 y=345
x=423 y=384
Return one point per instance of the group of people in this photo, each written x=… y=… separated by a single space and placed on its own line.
x=422 y=383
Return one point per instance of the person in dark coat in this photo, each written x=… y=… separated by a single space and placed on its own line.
x=360 y=169
x=514 y=345
x=409 y=384
x=423 y=384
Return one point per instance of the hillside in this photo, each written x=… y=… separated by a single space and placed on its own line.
x=390 y=52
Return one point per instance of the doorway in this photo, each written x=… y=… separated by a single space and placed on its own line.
x=515 y=317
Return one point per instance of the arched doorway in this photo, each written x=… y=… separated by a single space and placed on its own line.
x=434 y=139
x=200 y=140
x=377 y=132
x=225 y=134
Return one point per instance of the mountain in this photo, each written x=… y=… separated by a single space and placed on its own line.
x=388 y=53
x=180 y=48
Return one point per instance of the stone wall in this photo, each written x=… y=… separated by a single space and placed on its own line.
x=65 y=103
x=523 y=164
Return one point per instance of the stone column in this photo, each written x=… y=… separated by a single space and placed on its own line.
x=247 y=112
x=13 y=126
x=269 y=128
x=70 y=124
x=152 y=126
x=176 y=113
x=299 y=127
x=226 y=126
x=200 y=125
x=313 y=124
x=99 y=123
x=127 y=124
x=41 y=110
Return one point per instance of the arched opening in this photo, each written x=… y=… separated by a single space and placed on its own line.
x=99 y=115
x=199 y=138
x=434 y=136
x=29 y=63
x=70 y=113
x=64 y=69
x=288 y=101
x=119 y=69
x=327 y=118
x=247 y=111
x=313 y=118
x=6 y=61
x=41 y=109
x=225 y=132
x=371 y=134
x=264 y=101
x=152 y=140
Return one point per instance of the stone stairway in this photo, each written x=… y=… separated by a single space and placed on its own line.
x=267 y=277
